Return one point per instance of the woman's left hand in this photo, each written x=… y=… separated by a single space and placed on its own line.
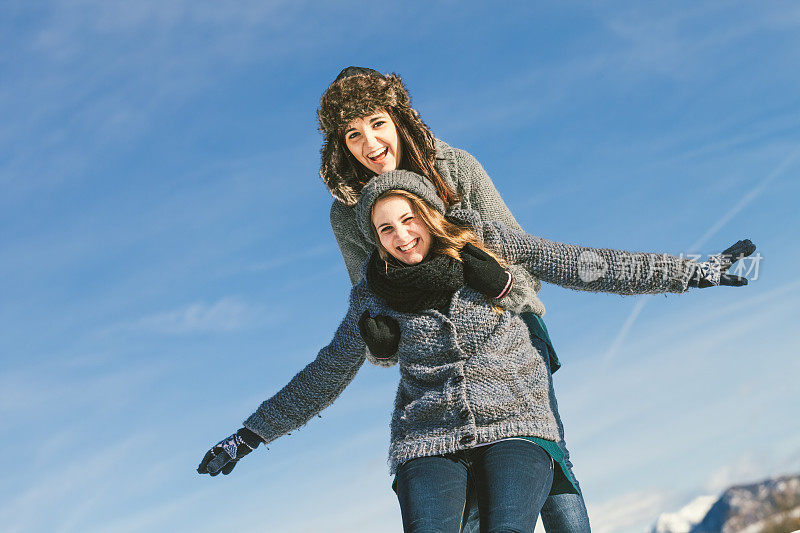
x=227 y=452
x=381 y=334
x=714 y=271
x=483 y=273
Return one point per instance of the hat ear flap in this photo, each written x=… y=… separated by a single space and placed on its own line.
x=334 y=173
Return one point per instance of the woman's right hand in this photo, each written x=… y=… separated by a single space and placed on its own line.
x=224 y=455
x=483 y=273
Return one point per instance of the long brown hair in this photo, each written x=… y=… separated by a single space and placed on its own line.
x=412 y=158
x=447 y=238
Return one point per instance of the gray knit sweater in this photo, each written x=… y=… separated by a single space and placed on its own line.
x=474 y=375
x=466 y=175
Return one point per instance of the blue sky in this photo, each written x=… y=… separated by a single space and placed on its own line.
x=166 y=261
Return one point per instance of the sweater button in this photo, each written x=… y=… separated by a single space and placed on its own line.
x=464 y=414
x=467 y=438
x=458 y=379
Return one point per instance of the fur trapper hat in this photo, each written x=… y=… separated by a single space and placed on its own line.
x=359 y=92
x=388 y=181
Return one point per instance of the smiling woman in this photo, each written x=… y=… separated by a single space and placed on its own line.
x=373 y=141
x=400 y=230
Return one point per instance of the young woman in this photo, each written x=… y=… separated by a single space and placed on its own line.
x=475 y=397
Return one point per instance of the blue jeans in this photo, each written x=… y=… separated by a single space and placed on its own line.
x=561 y=513
x=511 y=478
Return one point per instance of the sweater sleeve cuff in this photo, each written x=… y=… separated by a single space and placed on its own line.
x=507 y=289
x=385 y=362
x=261 y=427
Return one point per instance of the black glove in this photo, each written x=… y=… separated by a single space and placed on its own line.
x=224 y=455
x=483 y=273
x=714 y=271
x=381 y=333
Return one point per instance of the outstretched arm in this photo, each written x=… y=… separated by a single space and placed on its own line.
x=316 y=386
x=310 y=391
x=590 y=269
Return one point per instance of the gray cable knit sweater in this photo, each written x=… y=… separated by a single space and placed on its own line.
x=466 y=175
x=474 y=375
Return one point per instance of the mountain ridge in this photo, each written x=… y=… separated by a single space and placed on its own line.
x=771 y=505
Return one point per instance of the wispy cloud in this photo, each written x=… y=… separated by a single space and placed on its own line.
x=76 y=484
x=224 y=315
x=96 y=75
x=50 y=388
x=631 y=45
x=718 y=224
x=751 y=195
x=745 y=468
x=670 y=386
x=752 y=465
x=731 y=133
x=626 y=510
x=670 y=43
x=544 y=196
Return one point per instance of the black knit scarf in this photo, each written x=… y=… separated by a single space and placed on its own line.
x=411 y=288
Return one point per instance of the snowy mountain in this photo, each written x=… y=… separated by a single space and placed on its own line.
x=684 y=520
x=771 y=506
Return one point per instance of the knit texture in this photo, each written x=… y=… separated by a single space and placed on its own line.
x=581 y=267
x=467 y=378
x=429 y=284
x=466 y=175
x=471 y=375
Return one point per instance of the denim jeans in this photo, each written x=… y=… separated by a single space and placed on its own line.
x=511 y=480
x=561 y=513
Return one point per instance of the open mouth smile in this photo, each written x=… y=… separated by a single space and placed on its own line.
x=408 y=246
x=378 y=155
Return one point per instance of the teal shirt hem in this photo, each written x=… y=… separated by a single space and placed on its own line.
x=536 y=327
x=563 y=482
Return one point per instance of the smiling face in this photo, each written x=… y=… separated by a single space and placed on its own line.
x=374 y=142
x=401 y=232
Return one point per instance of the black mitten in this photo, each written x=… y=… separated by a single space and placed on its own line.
x=227 y=452
x=483 y=273
x=381 y=333
x=714 y=271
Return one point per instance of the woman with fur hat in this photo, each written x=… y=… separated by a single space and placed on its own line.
x=475 y=399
